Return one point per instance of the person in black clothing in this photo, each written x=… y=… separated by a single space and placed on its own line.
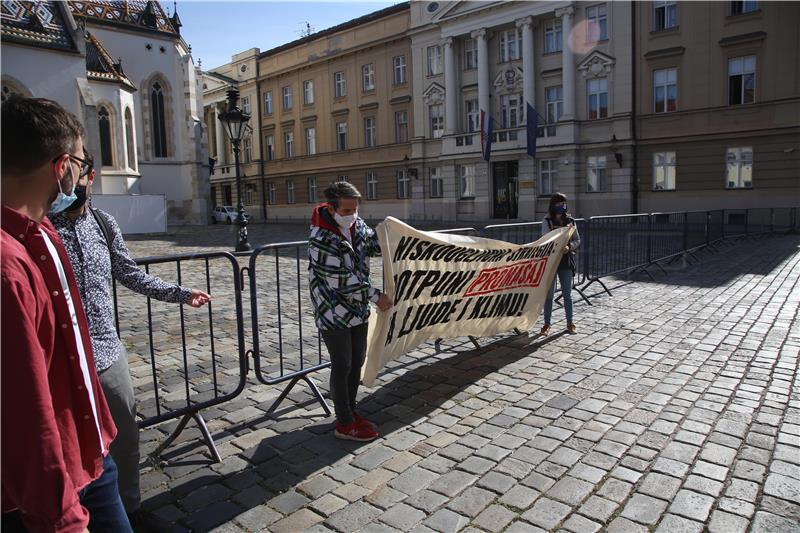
x=559 y=217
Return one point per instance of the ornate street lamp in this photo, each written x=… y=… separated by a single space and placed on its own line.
x=235 y=122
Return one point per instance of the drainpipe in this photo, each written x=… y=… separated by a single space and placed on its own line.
x=260 y=143
x=634 y=170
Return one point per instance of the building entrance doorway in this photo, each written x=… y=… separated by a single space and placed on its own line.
x=505 y=176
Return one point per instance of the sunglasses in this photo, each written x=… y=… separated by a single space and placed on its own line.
x=86 y=164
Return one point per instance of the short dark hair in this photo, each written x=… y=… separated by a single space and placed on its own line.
x=340 y=189
x=35 y=130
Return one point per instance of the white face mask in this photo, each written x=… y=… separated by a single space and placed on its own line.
x=345 y=221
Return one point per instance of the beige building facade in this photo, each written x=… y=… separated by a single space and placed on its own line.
x=338 y=105
x=240 y=74
x=718 y=105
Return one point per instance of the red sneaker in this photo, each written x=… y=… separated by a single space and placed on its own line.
x=355 y=431
x=361 y=421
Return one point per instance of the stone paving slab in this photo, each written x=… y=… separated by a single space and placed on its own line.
x=674 y=408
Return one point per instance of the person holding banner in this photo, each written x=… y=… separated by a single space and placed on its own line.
x=339 y=249
x=558 y=217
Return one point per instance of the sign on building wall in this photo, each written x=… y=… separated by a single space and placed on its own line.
x=446 y=286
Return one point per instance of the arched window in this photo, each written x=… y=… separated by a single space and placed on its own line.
x=129 y=144
x=159 y=120
x=106 y=144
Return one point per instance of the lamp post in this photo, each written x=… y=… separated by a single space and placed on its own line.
x=235 y=122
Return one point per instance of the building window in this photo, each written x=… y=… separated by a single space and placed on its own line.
x=341 y=136
x=370 y=132
x=401 y=126
x=308 y=92
x=129 y=139
x=739 y=171
x=158 y=121
x=436 y=114
x=473 y=116
x=470 y=54
x=271 y=193
x=740 y=8
x=368 y=77
x=664 y=171
x=311 y=141
x=287 y=98
x=106 y=142
x=246 y=104
x=597 y=28
x=343 y=177
x=402 y=184
x=665 y=14
x=269 y=141
x=339 y=84
x=510 y=45
x=548 y=175
x=312 y=190
x=247 y=149
x=466 y=178
x=268 y=103
x=399 y=70
x=434 y=60
x=511 y=110
x=372 y=186
x=741 y=80
x=289 y=191
x=249 y=196
x=554 y=97
x=665 y=90
x=288 y=144
x=553 y=36
x=597 y=90
x=436 y=182
x=596 y=173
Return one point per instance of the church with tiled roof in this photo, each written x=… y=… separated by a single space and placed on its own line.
x=123 y=68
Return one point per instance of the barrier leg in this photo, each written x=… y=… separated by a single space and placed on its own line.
x=289 y=388
x=597 y=280
x=474 y=341
x=209 y=440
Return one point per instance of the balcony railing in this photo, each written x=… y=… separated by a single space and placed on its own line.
x=507 y=139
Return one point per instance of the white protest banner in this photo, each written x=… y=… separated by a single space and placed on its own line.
x=446 y=286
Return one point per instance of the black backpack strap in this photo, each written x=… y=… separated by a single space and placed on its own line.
x=104 y=227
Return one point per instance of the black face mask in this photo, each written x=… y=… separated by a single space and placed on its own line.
x=80 y=192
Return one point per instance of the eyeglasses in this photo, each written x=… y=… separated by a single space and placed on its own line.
x=86 y=164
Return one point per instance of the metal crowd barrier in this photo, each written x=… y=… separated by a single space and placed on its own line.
x=207 y=370
x=298 y=351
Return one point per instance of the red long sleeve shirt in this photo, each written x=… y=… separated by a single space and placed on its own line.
x=51 y=448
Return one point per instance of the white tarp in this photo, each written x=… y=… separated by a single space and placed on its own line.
x=446 y=286
x=135 y=213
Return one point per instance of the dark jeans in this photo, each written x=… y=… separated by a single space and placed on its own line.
x=101 y=499
x=348 y=349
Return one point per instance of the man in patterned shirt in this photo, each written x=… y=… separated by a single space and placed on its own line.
x=339 y=249
x=96 y=262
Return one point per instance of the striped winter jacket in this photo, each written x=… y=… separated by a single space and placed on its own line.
x=339 y=272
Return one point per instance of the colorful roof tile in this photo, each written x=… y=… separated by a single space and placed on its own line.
x=136 y=14
x=36 y=24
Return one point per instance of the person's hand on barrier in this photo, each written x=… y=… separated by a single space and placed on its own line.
x=384 y=302
x=566 y=249
x=199 y=298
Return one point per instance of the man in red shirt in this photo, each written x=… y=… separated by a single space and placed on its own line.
x=57 y=474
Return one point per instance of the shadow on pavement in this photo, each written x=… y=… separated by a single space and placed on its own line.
x=289 y=458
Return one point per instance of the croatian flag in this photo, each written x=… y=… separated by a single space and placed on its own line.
x=487 y=124
x=532 y=126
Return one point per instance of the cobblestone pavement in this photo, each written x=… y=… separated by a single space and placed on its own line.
x=675 y=408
